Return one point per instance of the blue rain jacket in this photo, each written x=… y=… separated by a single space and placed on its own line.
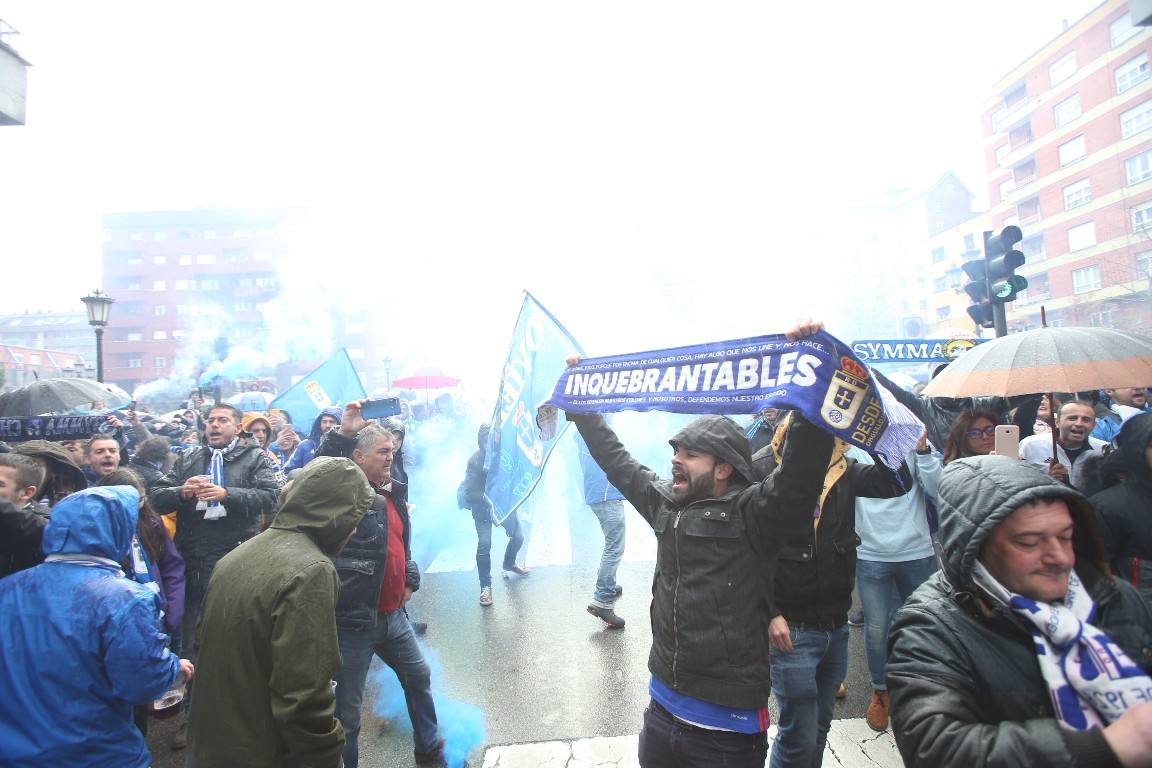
x=81 y=643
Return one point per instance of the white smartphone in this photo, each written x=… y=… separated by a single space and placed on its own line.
x=1008 y=440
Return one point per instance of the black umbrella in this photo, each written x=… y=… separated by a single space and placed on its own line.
x=56 y=395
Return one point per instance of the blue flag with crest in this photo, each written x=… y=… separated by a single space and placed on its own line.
x=516 y=451
x=331 y=385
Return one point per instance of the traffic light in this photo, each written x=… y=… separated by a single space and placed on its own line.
x=977 y=289
x=1002 y=261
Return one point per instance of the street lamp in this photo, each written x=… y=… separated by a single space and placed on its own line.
x=98 y=305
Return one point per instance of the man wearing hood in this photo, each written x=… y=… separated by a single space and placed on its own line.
x=1126 y=509
x=82 y=643
x=222 y=493
x=267 y=635
x=1023 y=649
x=306 y=450
x=717 y=536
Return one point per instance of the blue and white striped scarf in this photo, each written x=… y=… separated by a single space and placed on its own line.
x=1092 y=682
x=215 y=509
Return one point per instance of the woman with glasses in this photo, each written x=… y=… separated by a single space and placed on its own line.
x=972 y=434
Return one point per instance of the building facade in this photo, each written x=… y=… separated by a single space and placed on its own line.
x=1068 y=147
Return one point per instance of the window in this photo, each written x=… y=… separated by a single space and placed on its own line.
x=1139 y=167
x=1002 y=155
x=134 y=260
x=263 y=256
x=940 y=284
x=1144 y=265
x=1082 y=236
x=205 y=258
x=1105 y=318
x=159 y=310
x=1086 y=279
x=923 y=305
x=1063 y=68
x=133 y=285
x=969 y=242
x=159 y=362
x=183 y=309
x=1121 y=29
x=243 y=306
x=185 y=259
x=159 y=335
x=136 y=236
x=134 y=336
x=1006 y=188
x=1033 y=248
x=178 y=333
x=160 y=260
x=943 y=313
x=1078 y=194
x=181 y=285
x=1024 y=172
x=1028 y=210
x=159 y=235
x=938 y=255
x=1067 y=110
x=1071 y=151
x=270 y=282
x=33 y=359
x=1137 y=119
x=210 y=285
x=1037 y=290
x=159 y=285
x=1132 y=73
x=135 y=362
x=1142 y=217
x=208 y=234
x=235 y=255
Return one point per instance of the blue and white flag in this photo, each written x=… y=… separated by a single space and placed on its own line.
x=818 y=376
x=516 y=450
x=331 y=385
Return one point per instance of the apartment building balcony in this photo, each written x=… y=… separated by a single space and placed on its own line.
x=13 y=79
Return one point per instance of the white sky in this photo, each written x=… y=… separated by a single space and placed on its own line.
x=648 y=169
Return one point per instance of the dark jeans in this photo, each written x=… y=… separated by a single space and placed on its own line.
x=667 y=743
x=883 y=587
x=804 y=681
x=196 y=576
x=394 y=642
x=484 y=545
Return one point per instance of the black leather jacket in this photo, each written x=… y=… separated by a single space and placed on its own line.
x=965 y=685
x=253 y=486
x=361 y=561
x=716 y=558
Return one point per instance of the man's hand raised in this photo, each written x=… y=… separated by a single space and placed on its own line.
x=804 y=328
x=573 y=360
x=353 y=420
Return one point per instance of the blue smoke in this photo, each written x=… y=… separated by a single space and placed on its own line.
x=461 y=724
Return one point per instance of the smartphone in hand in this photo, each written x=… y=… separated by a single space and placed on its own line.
x=1008 y=440
x=378 y=409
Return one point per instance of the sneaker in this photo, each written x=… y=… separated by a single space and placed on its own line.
x=607 y=615
x=855 y=618
x=434 y=756
x=619 y=590
x=420 y=628
x=842 y=691
x=516 y=570
x=485 y=595
x=877 y=712
x=180 y=738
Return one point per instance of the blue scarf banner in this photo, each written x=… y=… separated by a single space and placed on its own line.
x=516 y=451
x=818 y=376
x=16 y=429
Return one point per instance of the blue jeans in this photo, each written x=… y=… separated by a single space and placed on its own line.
x=883 y=587
x=666 y=743
x=611 y=517
x=484 y=545
x=804 y=682
x=393 y=641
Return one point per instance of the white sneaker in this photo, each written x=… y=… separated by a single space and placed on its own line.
x=485 y=595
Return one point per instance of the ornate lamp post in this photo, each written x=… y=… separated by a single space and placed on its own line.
x=98 y=305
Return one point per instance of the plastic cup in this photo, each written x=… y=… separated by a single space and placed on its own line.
x=168 y=705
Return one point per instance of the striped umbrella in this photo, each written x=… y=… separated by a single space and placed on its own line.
x=1048 y=360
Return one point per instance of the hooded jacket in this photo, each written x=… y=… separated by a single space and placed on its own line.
x=267 y=635
x=82 y=643
x=963 y=679
x=66 y=475
x=1126 y=509
x=716 y=557
x=306 y=450
x=471 y=492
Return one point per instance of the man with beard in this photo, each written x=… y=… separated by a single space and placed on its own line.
x=717 y=534
x=1074 y=422
x=1110 y=418
x=222 y=493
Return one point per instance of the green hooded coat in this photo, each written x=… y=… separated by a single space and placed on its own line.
x=267 y=635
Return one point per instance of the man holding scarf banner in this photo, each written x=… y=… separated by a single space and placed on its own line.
x=818 y=376
x=718 y=530
x=516 y=452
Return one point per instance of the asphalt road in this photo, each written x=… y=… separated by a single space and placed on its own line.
x=534 y=666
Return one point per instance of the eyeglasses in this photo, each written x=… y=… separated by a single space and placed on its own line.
x=986 y=432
